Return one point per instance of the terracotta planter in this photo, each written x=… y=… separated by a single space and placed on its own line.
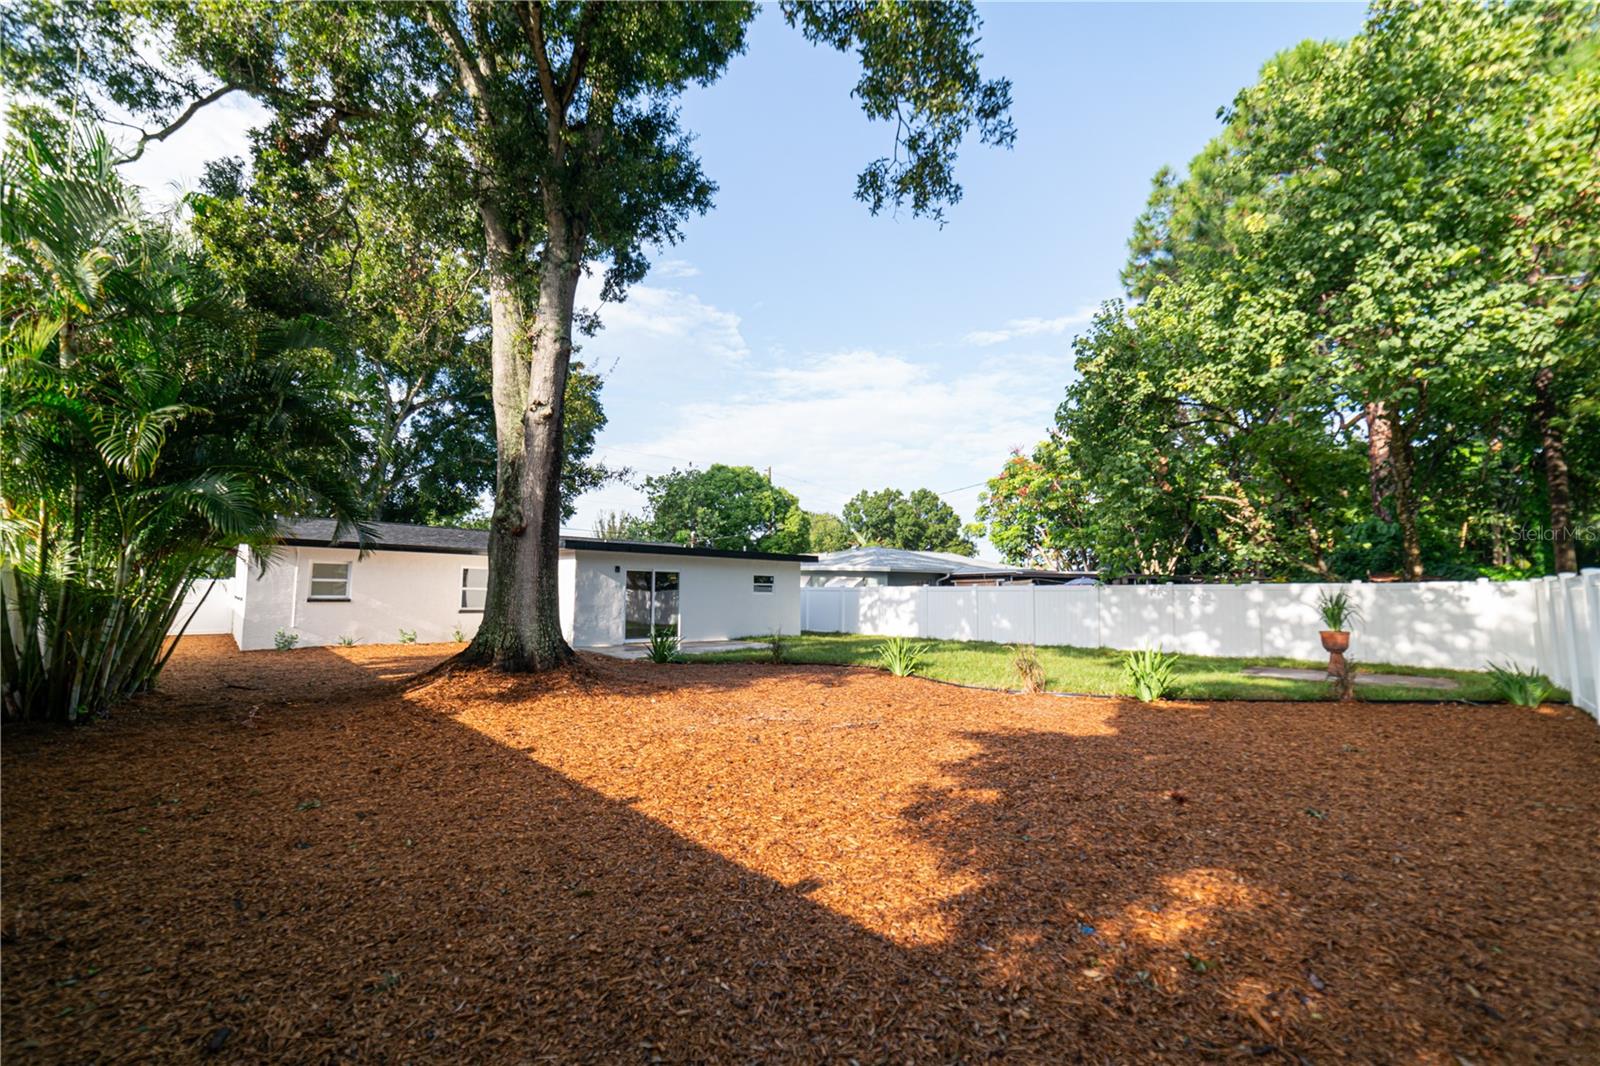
x=1335 y=642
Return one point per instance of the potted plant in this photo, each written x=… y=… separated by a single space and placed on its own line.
x=1337 y=613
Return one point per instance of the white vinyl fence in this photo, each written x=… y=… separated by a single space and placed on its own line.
x=1567 y=632
x=215 y=614
x=1548 y=624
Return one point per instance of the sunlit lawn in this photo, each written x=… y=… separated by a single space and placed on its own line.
x=1098 y=671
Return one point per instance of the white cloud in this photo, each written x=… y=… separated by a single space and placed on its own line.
x=1030 y=327
x=845 y=421
x=667 y=269
x=654 y=318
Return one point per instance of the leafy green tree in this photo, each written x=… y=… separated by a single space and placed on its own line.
x=828 y=532
x=734 y=508
x=557 y=123
x=1361 y=329
x=1038 y=510
x=331 y=249
x=149 y=428
x=920 y=521
x=1377 y=215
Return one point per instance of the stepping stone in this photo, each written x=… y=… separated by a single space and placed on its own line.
x=1408 y=680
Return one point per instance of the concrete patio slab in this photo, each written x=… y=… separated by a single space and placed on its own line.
x=687 y=648
x=1408 y=680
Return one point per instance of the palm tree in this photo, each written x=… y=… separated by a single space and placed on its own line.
x=148 y=427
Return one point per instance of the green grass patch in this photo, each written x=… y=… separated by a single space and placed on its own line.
x=1098 y=671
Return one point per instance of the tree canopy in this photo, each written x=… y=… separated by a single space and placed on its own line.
x=335 y=250
x=918 y=521
x=557 y=123
x=1362 y=330
x=730 y=507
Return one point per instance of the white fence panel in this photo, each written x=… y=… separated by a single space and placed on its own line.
x=1552 y=624
x=1066 y=615
x=1005 y=614
x=1569 y=632
x=889 y=612
x=952 y=615
x=1216 y=619
x=822 y=610
x=214 y=600
x=1136 y=616
x=1289 y=622
x=1587 y=695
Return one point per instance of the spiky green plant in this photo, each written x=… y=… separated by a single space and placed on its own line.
x=1150 y=674
x=149 y=425
x=1525 y=688
x=664 y=646
x=1337 y=610
x=902 y=656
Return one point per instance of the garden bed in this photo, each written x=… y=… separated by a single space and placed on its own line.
x=293 y=856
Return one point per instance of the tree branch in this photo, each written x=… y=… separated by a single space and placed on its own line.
x=178 y=123
x=471 y=77
x=531 y=16
x=580 y=55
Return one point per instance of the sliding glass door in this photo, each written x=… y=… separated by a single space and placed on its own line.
x=650 y=602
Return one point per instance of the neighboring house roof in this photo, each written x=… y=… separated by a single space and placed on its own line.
x=953 y=568
x=401 y=536
x=901 y=560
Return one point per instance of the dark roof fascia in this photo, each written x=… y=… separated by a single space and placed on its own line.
x=647 y=548
x=381 y=546
x=1055 y=576
x=571 y=543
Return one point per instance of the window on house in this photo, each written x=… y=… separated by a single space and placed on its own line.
x=474 y=588
x=763 y=583
x=330 y=581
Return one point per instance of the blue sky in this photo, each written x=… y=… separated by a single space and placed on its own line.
x=791 y=329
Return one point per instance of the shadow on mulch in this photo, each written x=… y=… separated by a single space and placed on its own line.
x=723 y=863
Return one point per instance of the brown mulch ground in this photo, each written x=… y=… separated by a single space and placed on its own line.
x=292 y=856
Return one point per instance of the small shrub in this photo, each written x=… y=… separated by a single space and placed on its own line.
x=283 y=640
x=345 y=640
x=458 y=636
x=1025 y=664
x=663 y=647
x=778 y=649
x=1149 y=674
x=408 y=636
x=902 y=656
x=1525 y=688
x=1337 y=611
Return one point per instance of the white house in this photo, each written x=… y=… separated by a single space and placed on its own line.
x=868 y=567
x=431 y=580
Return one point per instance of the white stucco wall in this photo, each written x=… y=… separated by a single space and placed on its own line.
x=716 y=596
x=421 y=592
x=389 y=591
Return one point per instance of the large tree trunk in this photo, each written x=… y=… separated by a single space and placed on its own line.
x=1391 y=469
x=1402 y=463
x=1557 y=480
x=1380 y=478
x=521 y=627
